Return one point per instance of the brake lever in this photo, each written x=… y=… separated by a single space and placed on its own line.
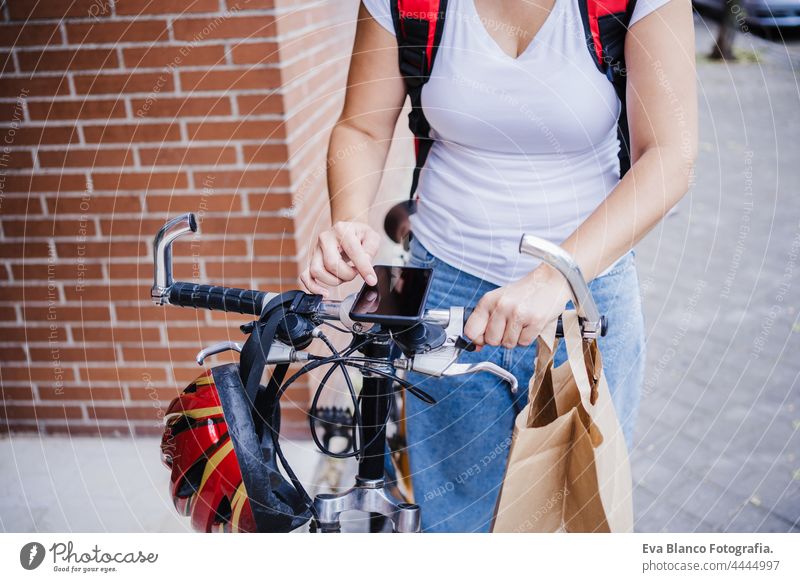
x=490 y=367
x=279 y=353
x=201 y=356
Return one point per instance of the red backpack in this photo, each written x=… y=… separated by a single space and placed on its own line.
x=419 y=25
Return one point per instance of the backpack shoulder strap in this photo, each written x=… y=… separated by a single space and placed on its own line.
x=605 y=25
x=418 y=25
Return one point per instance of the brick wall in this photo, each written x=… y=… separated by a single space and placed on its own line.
x=114 y=116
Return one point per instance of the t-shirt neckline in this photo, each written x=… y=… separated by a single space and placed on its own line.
x=546 y=25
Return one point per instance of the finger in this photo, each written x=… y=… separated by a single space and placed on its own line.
x=332 y=258
x=351 y=245
x=528 y=335
x=496 y=328
x=371 y=242
x=311 y=285
x=476 y=324
x=318 y=272
x=512 y=332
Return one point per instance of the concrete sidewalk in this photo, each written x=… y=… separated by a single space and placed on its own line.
x=718 y=440
x=719 y=433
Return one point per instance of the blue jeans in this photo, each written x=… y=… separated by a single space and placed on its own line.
x=459 y=446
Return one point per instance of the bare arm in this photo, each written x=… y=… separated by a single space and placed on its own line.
x=357 y=154
x=662 y=115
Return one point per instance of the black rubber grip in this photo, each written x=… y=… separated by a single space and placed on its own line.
x=217 y=298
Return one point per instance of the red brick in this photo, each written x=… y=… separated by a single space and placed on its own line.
x=235 y=179
x=45 y=183
x=265 y=154
x=61 y=270
x=43 y=135
x=47 y=373
x=227 y=270
x=20 y=205
x=94 y=205
x=203 y=335
x=101 y=249
x=47 y=227
x=143 y=227
x=230 y=80
x=18 y=293
x=174 y=56
x=33 y=9
x=281 y=247
x=84 y=158
x=254 y=225
x=29 y=34
x=211 y=201
x=139 y=133
x=123 y=373
x=182 y=107
x=8 y=314
x=43 y=86
x=63 y=313
x=214 y=27
x=116 y=335
x=81 y=354
x=13 y=354
x=136 y=7
x=260 y=104
x=24 y=334
x=91 y=430
x=106 y=292
x=143 y=270
x=6 y=63
x=28 y=412
x=88 y=109
x=121 y=83
x=15 y=393
x=16 y=160
x=145 y=412
x=251 y=4
x=240 y=130
x=11 y=111
x=115 y=32
x=191 y=156
x=24 y=250
x=255 y=53
x=68 y=60
x=268 y=202
x=152 y=313
x=80 y=392
x=140 y=181
x=149 y=353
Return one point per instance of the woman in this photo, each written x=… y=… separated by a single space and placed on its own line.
x=525 y=142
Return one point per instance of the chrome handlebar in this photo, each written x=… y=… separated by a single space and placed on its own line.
x=440 y=361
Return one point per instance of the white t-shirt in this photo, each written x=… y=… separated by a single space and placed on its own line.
x=525 y=145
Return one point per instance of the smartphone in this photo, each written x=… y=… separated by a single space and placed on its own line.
x=397 y=299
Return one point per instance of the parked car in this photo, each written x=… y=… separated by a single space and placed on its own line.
x=764 y=13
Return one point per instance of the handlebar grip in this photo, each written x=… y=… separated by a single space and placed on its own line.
x=217 y=298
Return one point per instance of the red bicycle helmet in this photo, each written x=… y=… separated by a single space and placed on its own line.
x=206 y=482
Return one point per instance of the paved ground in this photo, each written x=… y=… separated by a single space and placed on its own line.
x=719 y=435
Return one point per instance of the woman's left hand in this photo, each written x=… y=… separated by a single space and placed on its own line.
x=516 y=314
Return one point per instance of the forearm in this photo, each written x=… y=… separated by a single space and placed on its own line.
x=658 y=179
x=355 y=165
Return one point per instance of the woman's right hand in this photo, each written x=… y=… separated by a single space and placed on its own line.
x=342 y=252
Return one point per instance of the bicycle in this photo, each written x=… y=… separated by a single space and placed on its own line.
x=287 y=323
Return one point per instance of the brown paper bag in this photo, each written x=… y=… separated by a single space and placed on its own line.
x=568 y=466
